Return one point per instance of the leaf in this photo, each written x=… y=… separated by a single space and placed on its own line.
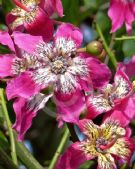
x=71 y=11
x=129 y=48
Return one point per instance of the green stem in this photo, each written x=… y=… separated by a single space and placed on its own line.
x=125 y=38
x=26 y=158
x=5 y=161
x=11 y=135
x=59 y=149
x=108 y=51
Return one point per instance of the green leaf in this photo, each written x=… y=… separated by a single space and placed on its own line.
x=71 y=11
x=103 y=21
x=7 y=5
x=129 y=48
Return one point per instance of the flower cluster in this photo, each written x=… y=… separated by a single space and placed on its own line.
x=78 y=82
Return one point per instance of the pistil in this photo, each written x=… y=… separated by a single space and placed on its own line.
x=19 y=4
x=105 y=147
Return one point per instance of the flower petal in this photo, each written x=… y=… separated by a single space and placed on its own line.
x=117 y=13
x=89 y=129
x=51 y=6
x=123 y=148
x=124 y=112
x=22 y=86
x=129 y=16
x=6 y=63
x=101 y=77
x=67 y=83
x=26 y=42
x=72 y=158
x=97 y=105
x=70 y=32
x=5 y=39
x=110 y=127
x=69 y=106
x=106 y=162
x=26 y=110
x=130 y=67
x=44 y=77
x=34 y=26
x=123 y=86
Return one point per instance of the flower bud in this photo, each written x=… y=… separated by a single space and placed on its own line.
x=94 y=48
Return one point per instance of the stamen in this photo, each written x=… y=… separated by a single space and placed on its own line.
x=105 y=147
x=19 y=4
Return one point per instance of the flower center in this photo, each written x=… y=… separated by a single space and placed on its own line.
x=59 y=65
x=100 y=143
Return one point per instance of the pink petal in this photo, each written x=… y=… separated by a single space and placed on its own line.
x=72 y=158
x=106 y=161
x=123 y=148
x=10 y=18
x=130 y=68
x=26 y=42
x=69 y=106
x=26 y=110
x=99 y=72
x=124 y=112
x=88 y=127
x=22 y=86
x=51 y=6
x=70 y=32
x=97 y=105
x=6 y=62
x=5 y=39
x=41 y=26
x=122 y=84
x=117 y=13
x=129 y=16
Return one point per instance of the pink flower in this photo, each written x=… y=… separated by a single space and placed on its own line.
x=57 y=65
x=31 y=14
x=122 y=11
x=111 y=96
x=107 y=143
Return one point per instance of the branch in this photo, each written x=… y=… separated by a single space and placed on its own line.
x=59 y=149
x=108 y=51
x=11 y=135
x=6 y=161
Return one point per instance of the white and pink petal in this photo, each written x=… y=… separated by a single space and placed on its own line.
x=97 y=105
x=26 y=110
x=69 y=32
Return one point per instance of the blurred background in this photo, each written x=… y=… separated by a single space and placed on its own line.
x=44 y=136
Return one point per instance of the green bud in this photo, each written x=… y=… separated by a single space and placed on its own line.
x=94 y=48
